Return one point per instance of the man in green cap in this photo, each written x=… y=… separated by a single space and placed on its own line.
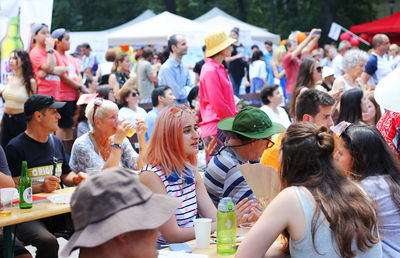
x=250 y=134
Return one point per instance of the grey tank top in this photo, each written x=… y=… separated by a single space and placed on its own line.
x=323 y=238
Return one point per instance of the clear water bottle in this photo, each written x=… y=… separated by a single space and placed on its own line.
x=226 y=227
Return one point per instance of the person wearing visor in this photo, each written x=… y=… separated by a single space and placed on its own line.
x=111 y=211
x=215 y=92
x=70 y=85
x=45 y=62
x=47 y=168
x=250 y=134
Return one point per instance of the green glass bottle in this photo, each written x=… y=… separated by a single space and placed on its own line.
x=25 y=188
x=11 y=42
x=226 y=227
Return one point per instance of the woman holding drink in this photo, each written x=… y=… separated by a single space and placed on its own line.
x=106 y=145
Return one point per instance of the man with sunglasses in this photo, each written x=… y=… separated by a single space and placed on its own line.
x=250 y=134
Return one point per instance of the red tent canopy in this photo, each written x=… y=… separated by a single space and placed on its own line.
x=389 y=24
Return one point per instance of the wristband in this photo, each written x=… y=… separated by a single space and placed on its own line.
x=116 y=145
x=50 y=51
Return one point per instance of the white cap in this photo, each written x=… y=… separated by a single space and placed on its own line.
x=387 y=91
x=327 y=71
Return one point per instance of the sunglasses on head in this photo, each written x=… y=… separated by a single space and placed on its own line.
x=319 y=69
x=134 y=94
x=97 y=103
x=178 y=110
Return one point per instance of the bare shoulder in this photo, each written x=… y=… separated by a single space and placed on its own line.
x=152 y=181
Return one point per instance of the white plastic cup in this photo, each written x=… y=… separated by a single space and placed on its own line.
x=7 y=196
x=202 y=228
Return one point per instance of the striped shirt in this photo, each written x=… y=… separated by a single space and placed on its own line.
x=187 y=210
x=223 y=178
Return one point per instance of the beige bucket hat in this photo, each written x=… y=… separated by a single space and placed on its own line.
x=216 y=41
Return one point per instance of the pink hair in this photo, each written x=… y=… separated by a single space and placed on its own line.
x=165 y=148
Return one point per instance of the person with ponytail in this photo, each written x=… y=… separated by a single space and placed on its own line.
x=365 y=156
x=19 y=88
x=319 y=211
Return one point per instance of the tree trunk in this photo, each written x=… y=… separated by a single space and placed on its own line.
x=328 y=14
x=242 y=11
x=170 y=5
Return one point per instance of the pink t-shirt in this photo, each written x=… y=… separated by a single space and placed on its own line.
x=291 y=67
x=215 y=96
x=67 y=93
x=49 y=85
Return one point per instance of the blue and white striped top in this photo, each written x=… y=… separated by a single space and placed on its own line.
x=186 y=192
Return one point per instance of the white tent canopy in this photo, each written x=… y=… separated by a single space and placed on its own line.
x=144 y=16
x=98 y=39
x=156 y=30
x=218 y=19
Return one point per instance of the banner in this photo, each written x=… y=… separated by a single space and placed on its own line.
x=334 y=31
x=16 y=19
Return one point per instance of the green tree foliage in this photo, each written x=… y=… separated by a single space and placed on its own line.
x=289 y=15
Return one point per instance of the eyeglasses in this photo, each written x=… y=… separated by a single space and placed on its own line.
x=319 y=69
x=178 y=110
x=269 y=145
x=97 y=103
x=134 y=94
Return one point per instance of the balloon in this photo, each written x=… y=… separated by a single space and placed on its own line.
x=354 y=41
x=283 y=42
x=301 y=36
x=125 y=48
x=364 y=36
x=345 y=36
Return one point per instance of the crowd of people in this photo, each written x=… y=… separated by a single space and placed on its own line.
x=319 y=126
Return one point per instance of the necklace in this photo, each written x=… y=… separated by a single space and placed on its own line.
x=104 y=152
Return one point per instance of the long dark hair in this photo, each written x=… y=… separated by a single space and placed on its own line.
x=27 y=70
x=256 y=55
x=307 y=160
x=372 y=157
x=304 y=79
x=350 y=106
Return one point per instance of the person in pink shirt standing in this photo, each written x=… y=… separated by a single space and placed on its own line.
x=45 y=62
x=291 y=61
x=70 y=87
x=215 y=92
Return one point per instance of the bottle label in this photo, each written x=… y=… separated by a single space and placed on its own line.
x=228 y=224
x=28 y=195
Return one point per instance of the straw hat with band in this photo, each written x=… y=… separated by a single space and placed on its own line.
x=387 y=91
x=252 y=123
x=216 y=41
x=114 y=202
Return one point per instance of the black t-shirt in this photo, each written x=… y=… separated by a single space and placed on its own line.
x=236 y=67
x=39 y=157
x=198 y=66
x=3 y=163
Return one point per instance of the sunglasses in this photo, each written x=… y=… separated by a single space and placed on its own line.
x=134 y=94
x=178 y=110
x=319 y=69
x=97 y=103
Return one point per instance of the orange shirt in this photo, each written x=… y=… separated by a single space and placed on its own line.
x=270 y=156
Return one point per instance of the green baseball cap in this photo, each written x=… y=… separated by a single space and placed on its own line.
x=252 y=123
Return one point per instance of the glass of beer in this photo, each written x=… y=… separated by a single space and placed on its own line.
x=6 y=198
